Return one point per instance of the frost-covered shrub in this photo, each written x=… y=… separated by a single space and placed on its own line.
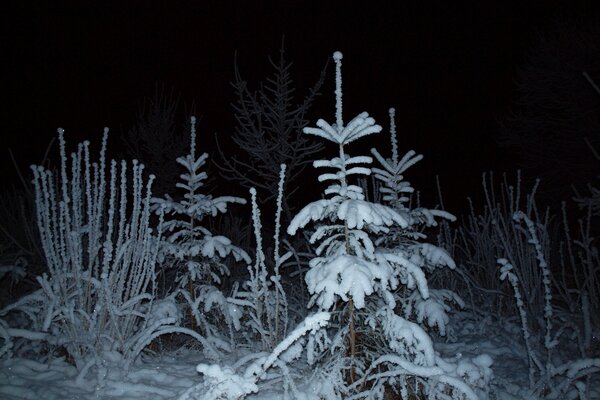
x=100 y=256
x=100 y=253
x=98 y=297
x=369 y=261
x=549 y=377
x=488 y=233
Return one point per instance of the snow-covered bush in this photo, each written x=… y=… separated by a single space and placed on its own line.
x=487 y=234
x=369 y=261
x=196 y=254
x=100 y=255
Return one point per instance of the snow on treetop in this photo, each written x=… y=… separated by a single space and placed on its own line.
x=359 y=126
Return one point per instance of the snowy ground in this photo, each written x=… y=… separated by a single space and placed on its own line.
x=163 y=378
x=169 y=375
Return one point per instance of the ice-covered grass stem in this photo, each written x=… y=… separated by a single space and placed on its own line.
x=506 y=272
x=546 y=379
x=549 y=343
x=262 y=295
x=281 y=303
x=100 y=253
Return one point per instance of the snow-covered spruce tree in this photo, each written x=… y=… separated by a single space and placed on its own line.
x=396 y=193
x=352 y=274
x=195 y=252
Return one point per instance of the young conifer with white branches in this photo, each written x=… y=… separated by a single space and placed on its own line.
x=408 y=240
x=187 y=239
x=358 y=271
x=196 y=252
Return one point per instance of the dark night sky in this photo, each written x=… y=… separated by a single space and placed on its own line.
x=447 y=67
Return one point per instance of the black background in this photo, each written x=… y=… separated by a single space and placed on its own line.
x=447 y=67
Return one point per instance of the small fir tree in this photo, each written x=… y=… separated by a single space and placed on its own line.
x=369 y=261
x=347 y=266
x=195 y=252
x=396 y=193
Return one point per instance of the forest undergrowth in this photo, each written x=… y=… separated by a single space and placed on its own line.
x=362 y=293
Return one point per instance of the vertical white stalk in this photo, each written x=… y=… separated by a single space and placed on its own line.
x=393 y=137
x=337 y=56
x=277 y=277
x=548 y=343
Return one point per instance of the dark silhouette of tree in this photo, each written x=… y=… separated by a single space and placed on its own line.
x=268 y=133
x=156 y=140
x=556 y=109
